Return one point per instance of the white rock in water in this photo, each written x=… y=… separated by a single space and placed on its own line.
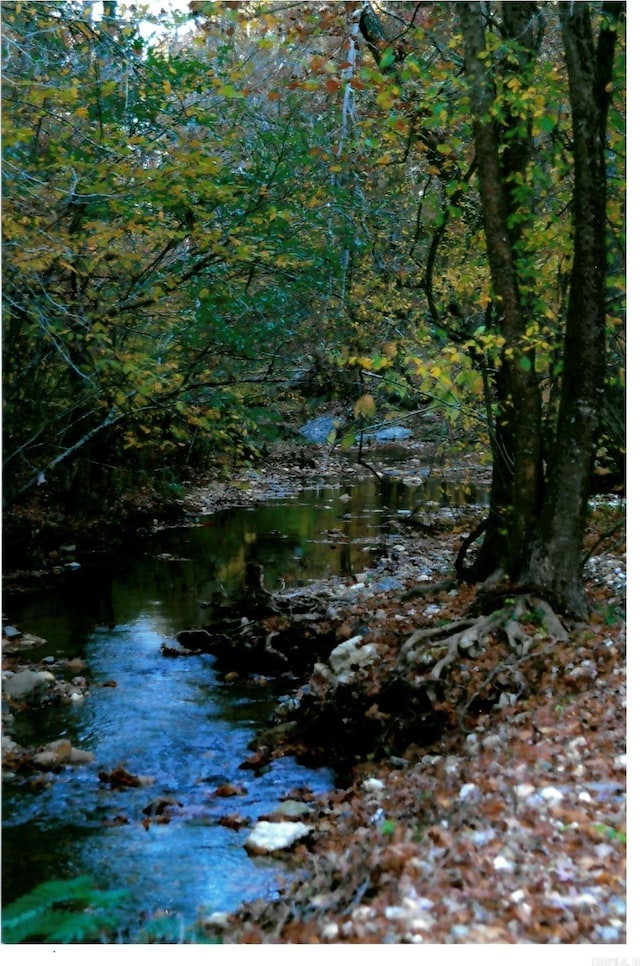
x=23 y=683
x=269 y=837
x=53 y=754
x=80 y=757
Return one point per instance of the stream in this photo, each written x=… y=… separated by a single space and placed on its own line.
x=175 y=720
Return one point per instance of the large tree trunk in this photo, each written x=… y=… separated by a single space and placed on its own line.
x=516 y=440
x=555 y=559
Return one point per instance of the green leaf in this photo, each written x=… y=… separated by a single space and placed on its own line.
x=60 y=911
x=387 y=58
x=348 y=439
x=231 y=92
x=546 y=123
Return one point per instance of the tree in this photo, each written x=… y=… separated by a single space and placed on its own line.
x=555 y=558
x=536 y=88
x=160 y=265
x=429 y=196
x=537 y=516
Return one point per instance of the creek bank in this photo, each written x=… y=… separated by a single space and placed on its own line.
x=506 y=825
x=485 y=807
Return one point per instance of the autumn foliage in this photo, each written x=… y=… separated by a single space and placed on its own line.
x=195 y=221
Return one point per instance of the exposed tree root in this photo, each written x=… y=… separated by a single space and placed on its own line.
x=470 y=635
x=464 y=573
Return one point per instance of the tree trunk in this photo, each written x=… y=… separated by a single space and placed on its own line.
x=555 y=559
x=536 y=528
x=516 y=441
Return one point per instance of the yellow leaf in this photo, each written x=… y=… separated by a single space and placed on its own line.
x=365 y=406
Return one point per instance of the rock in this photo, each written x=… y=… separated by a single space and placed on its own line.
x=217 y=920
x=268 y=837
x=53 y=755
x=620 y=763
x=161 y=805
x=389 y=583
x=76 y=664
x=349 y=655
x=80 y=757
x=502 y=864
x=119 y=777
x=390 y=434
x=319 y=430
x=469 y=791
x=194 y=640
x=255 y=762
x=174 y=651
x=292 y=809
x=372 y=785
x=235 y=821
x=11 y=632
x=28 y=640
x=229 y=790
x=482 y=836
x=10 y=747
x=25 y=684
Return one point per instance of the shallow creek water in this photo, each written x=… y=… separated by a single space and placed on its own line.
x=174 y=719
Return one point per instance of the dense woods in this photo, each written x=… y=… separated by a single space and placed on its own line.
x=220 y=221
x=404 y=206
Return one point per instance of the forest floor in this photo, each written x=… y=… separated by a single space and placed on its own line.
x=488 y=806
x=482 y=804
